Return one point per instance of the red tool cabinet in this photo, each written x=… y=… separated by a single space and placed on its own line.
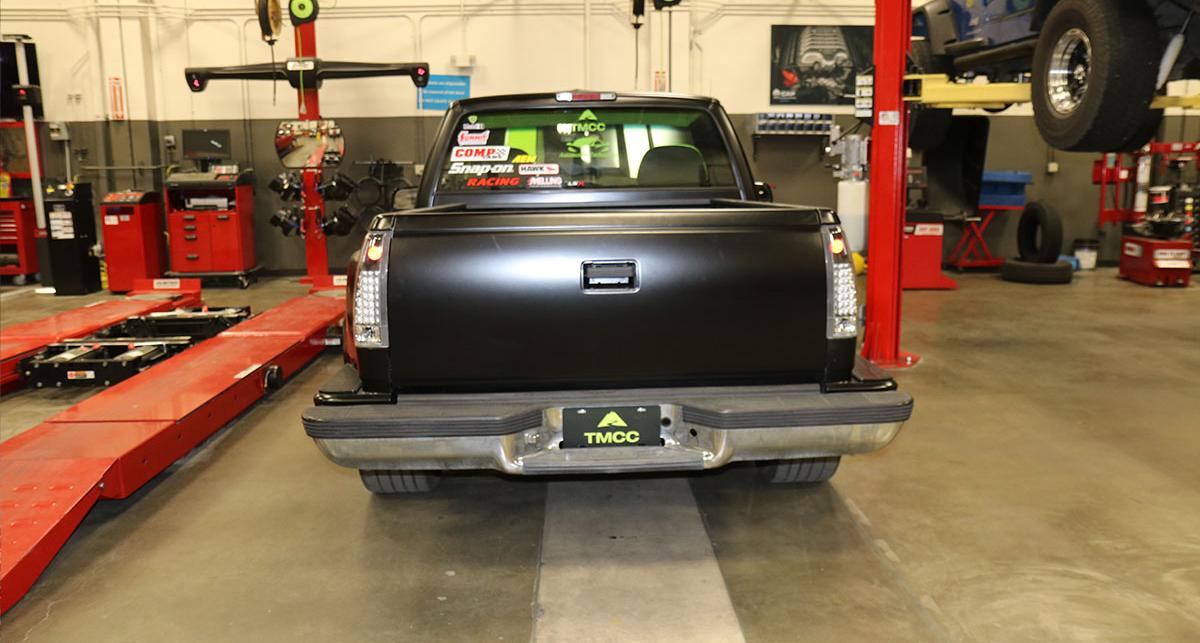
x=18 y=244
x=210 y=224
x=134 y=245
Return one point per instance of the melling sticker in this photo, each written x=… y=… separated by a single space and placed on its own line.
x=473 y=138
x=545 y=181
x=537 y=169
x=482 y=153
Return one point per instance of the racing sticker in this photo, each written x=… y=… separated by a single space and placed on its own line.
x=493 y=182
x=537 y=169
x=480 y=168
x=545 y=182
x=473 y=138
x=481 y=153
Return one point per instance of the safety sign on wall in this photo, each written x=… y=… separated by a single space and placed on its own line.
x=442 y=90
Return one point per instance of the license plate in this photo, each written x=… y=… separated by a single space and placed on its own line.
x=612 y=426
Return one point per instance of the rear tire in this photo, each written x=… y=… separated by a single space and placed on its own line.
x=1094 y=71
x=385 y=482
x=807 y=470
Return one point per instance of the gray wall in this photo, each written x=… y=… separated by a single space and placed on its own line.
x=793 y=164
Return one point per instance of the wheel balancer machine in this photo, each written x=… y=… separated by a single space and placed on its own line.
x=306 y=73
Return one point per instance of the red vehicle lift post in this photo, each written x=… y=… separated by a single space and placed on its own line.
x=889 y=146
x=316 y=255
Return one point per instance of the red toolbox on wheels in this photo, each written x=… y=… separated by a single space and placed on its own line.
x=1155 y=262
x=210 y=224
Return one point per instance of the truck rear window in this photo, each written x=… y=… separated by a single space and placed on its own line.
x=582 y=148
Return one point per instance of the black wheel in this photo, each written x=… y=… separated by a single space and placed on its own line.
x=807 y=470
x=927 y=127
x=1094 y=71
x=387 y=482
x=18 y=280
x=1025 y=272
x=243 y=282
x=1039 y=234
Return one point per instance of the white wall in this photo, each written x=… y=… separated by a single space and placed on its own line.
x=715 y=48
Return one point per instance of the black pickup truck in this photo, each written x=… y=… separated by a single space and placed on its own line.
x=594 y=283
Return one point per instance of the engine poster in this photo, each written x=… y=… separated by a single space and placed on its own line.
x=817 y=64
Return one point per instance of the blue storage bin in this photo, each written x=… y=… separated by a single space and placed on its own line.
x=1004 y=188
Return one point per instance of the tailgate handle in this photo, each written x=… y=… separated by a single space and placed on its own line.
x=610 y=276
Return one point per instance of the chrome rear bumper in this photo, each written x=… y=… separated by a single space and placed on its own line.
x=519 y=433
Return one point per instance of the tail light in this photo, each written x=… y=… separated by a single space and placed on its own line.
x=370 y=292
x=842 y=318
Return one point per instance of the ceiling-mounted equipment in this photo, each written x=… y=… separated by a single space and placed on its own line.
x=270 y=20
x=659 y=5
x=302 y=11
x=639 y=13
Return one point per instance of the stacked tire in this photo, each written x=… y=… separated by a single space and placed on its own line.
x=1039 y=242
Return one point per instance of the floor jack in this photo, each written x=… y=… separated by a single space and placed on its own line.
x=306 y=73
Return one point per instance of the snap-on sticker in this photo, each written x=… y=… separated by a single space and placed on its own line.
x=1132 y=249
x=481 y=153
x=480 y=168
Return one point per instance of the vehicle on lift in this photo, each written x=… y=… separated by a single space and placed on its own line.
x=1095 y=65
x=594 y=283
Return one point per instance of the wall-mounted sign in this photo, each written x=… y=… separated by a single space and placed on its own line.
x=442 y=90
x=817 y=64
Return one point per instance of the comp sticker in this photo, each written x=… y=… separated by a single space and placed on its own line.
x=481 y=153
x=537 y=169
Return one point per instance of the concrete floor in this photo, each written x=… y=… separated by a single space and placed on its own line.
x=1045 y=489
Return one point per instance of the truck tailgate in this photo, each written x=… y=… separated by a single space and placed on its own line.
x=495 y=301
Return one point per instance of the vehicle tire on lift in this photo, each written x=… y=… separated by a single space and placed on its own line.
x=806 y=470
x=1146 y=131
x=388 y=482
x=1107 y=54
x=1026 y=272
x=1039 y=234
x=927 y=127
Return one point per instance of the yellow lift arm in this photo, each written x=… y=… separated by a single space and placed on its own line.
x=937 y=90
